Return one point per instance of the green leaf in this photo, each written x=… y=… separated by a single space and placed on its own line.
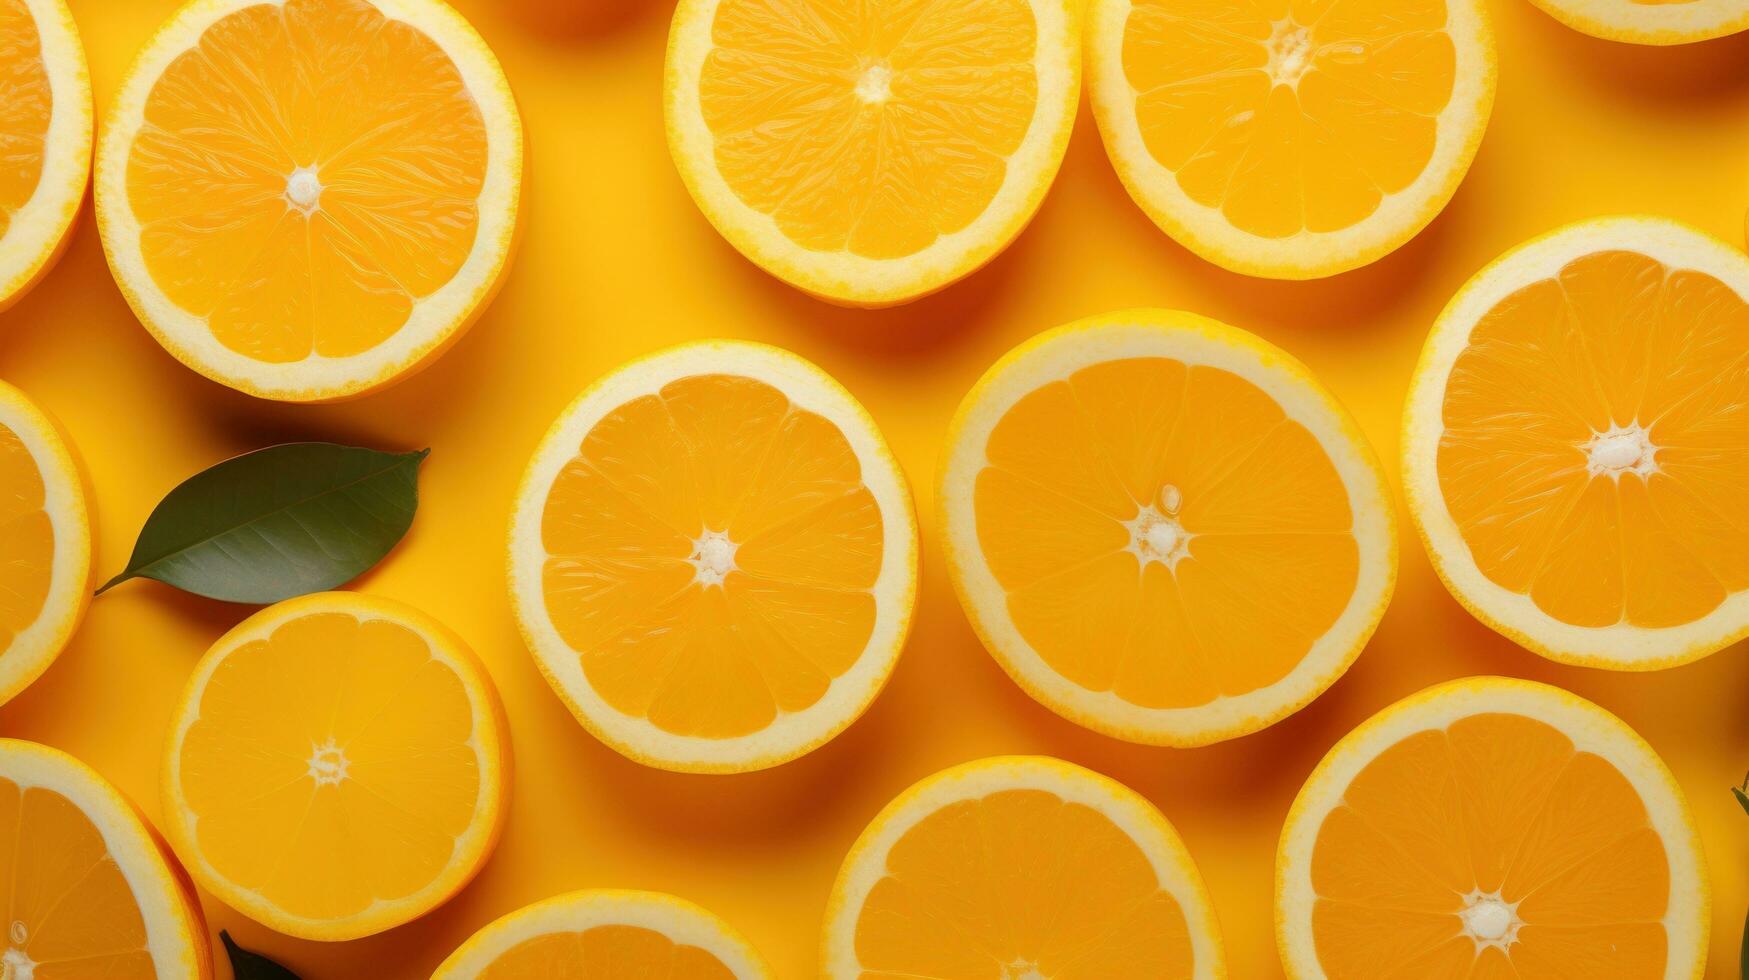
x=278 y=522
x=1742 y=798
x=252 y=966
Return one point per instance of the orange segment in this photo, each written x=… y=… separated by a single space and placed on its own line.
x=1491 y=844
x=1005 y=866
x=870 y=152
x=27 y=539
x=712 y=551
x=337 y=768
x=24 y=110
x=1262 y=134
x=1587 y=448
x=45 y=139
x=1164 y=542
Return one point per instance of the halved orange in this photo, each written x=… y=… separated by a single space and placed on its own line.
x=45 y=542
x=1164 y=528
x=1576 y=444
x=45 y=139
x=871 y=152
x=1020 y=868
x=714 y=558
x=1291 y=138
x=1489 y=829
x=1651 y=21
x=87 y=889
x=339 y=765
x=309 y=200
x=606 y=935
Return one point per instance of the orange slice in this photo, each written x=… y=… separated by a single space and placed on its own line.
x=1576 y=448
x=1020 y=868
x=1489 y=829
x=45 y=542
x=1651 y=21
x=86 y=887
x=871 y=152
x=310 y=200
x=1164 y=528
x=45 y=139
x=1291 y=138
x=714 y=558
x=339 y=765
x=606 y=935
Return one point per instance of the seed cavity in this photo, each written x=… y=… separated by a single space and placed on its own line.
x=328 y=765
x=713 y=558
x=1620 y=449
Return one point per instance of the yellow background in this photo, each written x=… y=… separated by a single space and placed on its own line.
x=616 y=262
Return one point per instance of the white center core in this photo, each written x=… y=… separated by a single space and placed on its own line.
x=14 y=965
x=1022 y=970
x=1620 y=449
x=1290 y=52
x=328 y=764
x=1490 y=920
x=303 y=189
x=1157 y=536
x=875 y=85
x=713 y=555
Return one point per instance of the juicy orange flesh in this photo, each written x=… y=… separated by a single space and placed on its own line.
x=67 y=908
x=1019 y=880
x=1290 y=116
x=869 y=126
x=330 y=765
x=397 y=145
x=606 y=953
x=730 y=455
x=1269 y=564
x=1615 y=340
x=1494 y=805
x=25 y=106
x=27 y=539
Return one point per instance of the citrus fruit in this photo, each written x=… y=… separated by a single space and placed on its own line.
x=1491 y=828
x=1017 y=868
x=308 y=200
x=338 y=765
x=1651 y=21
x=86 y=887
x=714 y=558
x=45 y=129
x=45 y=542
x=1576 y=446
x=1290 y=138
x=606 y=935
x=871 y=152
x=1164 y=528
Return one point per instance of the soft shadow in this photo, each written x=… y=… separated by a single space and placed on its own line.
x=1686 y=73
x=579 y=21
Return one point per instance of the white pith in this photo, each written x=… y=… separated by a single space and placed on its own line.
x=1620 y=450
x=875 y=85
x=303 y=189
x=842 y=275
x=1591 y=729
x=1651 y=23
x=1490 y=921
x=682 y=922
x=790 y=733
x=182 y=824
x=866 y=864
x=174 y=937
x=1304 y=254
x=1192 y=340
x=36 y=646
x=1620 y=646
x=1290 y=52
x=37 y=227
x=434 y=318
x=713 y=555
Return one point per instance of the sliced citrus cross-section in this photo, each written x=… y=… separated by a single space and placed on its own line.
x=1576 y=444
x=1491 y=828
x=339 y=765
x=1651 y=21
x=45 y=542
x=45 y=138
x=606 y=935
x=1291 y=138
x=309 y=200
x=1164 y=528
x=714 y=558
x=871 y=152
x=86 y=887
x=1015 y=868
